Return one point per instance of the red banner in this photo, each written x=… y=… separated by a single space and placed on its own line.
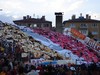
x=77 y=34
x=90 y=42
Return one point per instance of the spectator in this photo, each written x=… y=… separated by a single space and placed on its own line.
x=33 y=71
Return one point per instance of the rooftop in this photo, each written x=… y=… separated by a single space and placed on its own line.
x=81 y=19
x=28 y=19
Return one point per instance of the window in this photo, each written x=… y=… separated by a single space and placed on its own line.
x=85 y=32
x=94 y=25
x=35 y=25
x=94 y=32
x=46 y=25
x=83 y=26
x=72 y=25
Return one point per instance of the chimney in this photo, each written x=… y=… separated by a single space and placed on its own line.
x=33 y=15
x=73 y=17
x=87 y=16
x=43 y=18
x=24 y=17
x=28 y=16
x=80 y=14
x=59 y=17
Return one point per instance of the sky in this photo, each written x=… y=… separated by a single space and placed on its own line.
x=15 y=9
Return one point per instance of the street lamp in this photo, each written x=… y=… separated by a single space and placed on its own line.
x=0 y=9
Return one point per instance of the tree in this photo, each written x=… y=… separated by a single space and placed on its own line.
x=90 y=35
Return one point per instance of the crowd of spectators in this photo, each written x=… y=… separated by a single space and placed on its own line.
x=14 y=42
x=70 y=43
x=14 y=67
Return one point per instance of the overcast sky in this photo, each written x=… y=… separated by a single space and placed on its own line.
x=16 y=9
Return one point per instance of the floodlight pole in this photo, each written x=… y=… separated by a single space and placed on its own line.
x=0 y=9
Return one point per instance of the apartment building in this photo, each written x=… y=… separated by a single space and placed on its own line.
x=84 y=25
x=34 y=22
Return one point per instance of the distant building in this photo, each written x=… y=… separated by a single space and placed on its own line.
x=34 y=22
x=84 y=25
